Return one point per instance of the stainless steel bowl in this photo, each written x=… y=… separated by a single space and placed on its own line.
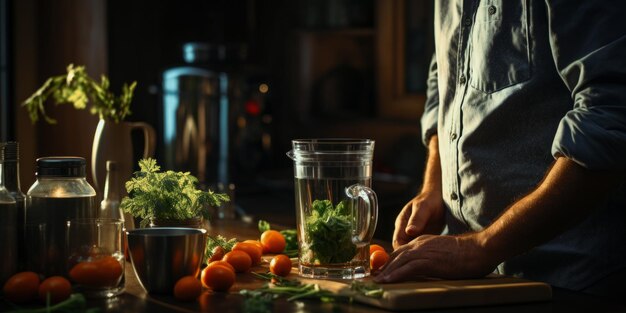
x=162 y=255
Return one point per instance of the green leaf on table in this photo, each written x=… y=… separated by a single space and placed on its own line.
x=264 y=226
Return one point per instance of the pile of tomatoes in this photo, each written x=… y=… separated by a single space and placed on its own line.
x=26 y=287
x=220 y=274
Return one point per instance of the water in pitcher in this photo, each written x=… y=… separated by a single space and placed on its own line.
x=335 y=207
x=327 y=225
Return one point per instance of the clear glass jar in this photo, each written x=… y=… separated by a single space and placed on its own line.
x=60 y=193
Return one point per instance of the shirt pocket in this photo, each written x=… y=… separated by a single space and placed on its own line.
x=499 y=54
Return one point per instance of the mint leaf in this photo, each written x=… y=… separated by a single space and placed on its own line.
x=328 y=233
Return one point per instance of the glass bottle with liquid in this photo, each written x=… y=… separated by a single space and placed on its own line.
x=11 y=178
x=60 y=193
x=110 y=205
x=8 y=230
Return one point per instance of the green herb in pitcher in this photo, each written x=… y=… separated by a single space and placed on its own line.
x=328 y=234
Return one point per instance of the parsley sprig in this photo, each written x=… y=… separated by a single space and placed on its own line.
x=261 y=299
x=78 y=88
x=166 y=195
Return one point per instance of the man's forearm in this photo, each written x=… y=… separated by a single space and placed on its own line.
x=566 y=196
x=432 y=173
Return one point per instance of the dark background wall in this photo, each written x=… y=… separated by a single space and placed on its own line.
x=324 y=61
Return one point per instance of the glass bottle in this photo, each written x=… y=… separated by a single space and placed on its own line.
x=60 y=193
x=110 y=205
x=8 y=230
x=11 y=178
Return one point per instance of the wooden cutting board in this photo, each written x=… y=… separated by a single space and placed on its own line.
x=427 y=293
x=433 y=293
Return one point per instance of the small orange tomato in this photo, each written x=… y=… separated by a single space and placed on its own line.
x=280 y=265
x=187 y=288
x=111 y=270
x=255 y=242
x=273 y=241
x=57 y=287
x=240 y=260
x=218 y=278
x=378 y=259
x=251 y=249
x=218 y=254
x=88 y=274
x=222 y=263
x=21 y=287
x=375 y=247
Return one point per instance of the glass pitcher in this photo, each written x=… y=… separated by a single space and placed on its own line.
x=336 y=209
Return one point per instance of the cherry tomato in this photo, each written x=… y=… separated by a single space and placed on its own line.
x=378 y=259
x=111 y=270
x=240 y=260
x=375 y=247
x=218 y=277
x=256 y=243
x=218 y=254
x=222 y=263
x=57 y=287
x=280 y=265
x=87 y=274
x=99 y=273
x=21 y=287
x=273 y=241
x=251 y=249
x=187 y=288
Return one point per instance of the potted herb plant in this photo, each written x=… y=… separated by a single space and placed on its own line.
x=112 y=140
x=167 y=198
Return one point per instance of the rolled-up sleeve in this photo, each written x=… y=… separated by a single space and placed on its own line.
x=588 y=41
x=431 y=107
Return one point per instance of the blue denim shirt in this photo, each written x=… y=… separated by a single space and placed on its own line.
x=513 y=84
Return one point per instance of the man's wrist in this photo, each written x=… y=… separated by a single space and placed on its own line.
x=491 y=247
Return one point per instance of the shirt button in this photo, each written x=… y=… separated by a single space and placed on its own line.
x=491 y=10
x=453 y=196
x=467 y=21
x=453 y=136
x=462 y=79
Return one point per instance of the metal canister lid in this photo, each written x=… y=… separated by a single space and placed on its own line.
x=63 y=166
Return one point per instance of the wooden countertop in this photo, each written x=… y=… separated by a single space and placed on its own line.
x=135 y=298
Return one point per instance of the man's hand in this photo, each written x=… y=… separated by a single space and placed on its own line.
x=424 y=214
x=453 y=257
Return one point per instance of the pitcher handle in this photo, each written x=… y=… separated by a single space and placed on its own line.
x=149 y=136
x=356 y=191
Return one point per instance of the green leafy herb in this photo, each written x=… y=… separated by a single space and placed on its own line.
x=371 y=290
x=301 y=291
x=291 y=238
x=257 y=302
x=217 y=241
x=328 y=233
x=78 y=88
x=277 y=280
x=166 y=195
x=264 y=226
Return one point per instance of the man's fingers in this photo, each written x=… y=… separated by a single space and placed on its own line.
x=399 y=235
x=397 y=258
x=417 y=220
x=407 y=271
